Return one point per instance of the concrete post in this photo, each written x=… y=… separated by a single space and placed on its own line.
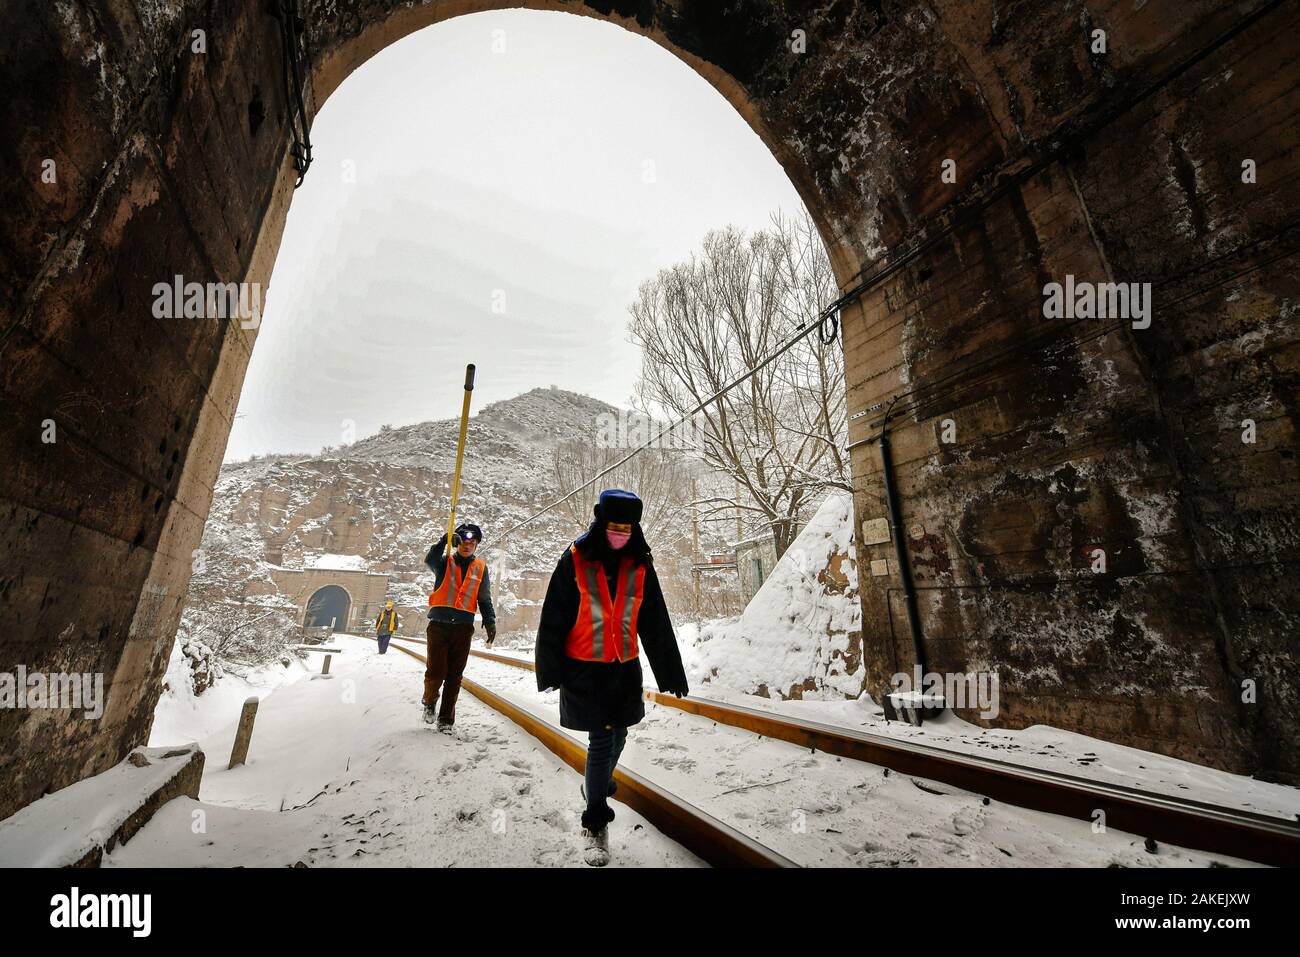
x=325 y=669
x=244 y=734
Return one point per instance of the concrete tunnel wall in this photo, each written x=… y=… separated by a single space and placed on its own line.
x=1069 y=435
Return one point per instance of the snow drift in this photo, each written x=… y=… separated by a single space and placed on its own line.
x=801 y=635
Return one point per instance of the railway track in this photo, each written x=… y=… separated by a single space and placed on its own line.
x=1188 y=823
x=704 y=835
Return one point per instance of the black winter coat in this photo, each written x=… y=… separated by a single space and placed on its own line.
x=596 y=695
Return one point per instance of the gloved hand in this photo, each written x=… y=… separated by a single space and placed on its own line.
x=491 y=630
x=455 y=540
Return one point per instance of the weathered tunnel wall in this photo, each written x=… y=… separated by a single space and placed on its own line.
x=1077 y=435
x=1121 y=165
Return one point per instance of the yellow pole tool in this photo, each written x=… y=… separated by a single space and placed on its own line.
x=460 y=455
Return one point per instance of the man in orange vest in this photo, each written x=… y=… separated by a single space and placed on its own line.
x=603 y=605
x=461 y=588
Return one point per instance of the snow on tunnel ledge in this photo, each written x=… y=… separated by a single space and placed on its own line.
x=339 y=563
x=78 y=825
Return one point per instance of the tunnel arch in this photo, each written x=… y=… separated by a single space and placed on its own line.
x=1069 y=163
x=328 y=605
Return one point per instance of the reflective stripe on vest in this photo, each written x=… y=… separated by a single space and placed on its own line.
x=605 y=629
x=459 y=590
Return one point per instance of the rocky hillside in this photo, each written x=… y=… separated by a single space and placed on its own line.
x=386 y=496
x=385 y=499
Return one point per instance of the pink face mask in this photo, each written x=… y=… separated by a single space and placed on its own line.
x=617 y=539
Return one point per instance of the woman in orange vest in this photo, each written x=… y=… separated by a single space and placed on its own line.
x=461 y=588
x=604 y=605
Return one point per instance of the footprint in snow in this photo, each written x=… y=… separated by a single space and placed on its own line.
x=968 y=821
x=558 y=820
x=675 y=764
x=551 y=856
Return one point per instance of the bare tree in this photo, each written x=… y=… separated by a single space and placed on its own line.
x=779 y=435
x=231 y=606
x=660 y=476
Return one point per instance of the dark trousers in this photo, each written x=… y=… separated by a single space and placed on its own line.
x=448 y=650
x=603 y=751
x=383 y=637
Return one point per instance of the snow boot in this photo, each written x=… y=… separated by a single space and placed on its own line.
x=446 y=727
x=595 y=846
x=430 y=715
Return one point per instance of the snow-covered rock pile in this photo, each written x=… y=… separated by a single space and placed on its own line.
x=801 y=635
x=204 y=668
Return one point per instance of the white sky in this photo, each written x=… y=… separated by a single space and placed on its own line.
x=516 y=179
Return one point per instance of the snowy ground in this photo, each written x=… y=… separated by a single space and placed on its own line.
x=180 y=716
x=1053 y=749
x=1037 y=746
x=343 y=771
x=820 y=810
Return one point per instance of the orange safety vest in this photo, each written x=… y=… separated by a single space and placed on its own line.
x=605 y=629
x=462 y=592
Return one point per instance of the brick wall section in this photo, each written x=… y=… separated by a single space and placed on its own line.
x=1081 y=435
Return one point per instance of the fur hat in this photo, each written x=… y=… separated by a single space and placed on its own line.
x=618 y=505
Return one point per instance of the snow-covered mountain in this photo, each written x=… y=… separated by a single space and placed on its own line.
x=385 y=499
x=386 y=496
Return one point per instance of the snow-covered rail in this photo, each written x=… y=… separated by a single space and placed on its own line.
x=704 y=835
x=1175 y=820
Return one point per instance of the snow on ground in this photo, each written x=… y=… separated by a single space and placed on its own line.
x=820 y=810
x=342 y=771
x=1038 y=746
x=1053 y=749
x=180 y=716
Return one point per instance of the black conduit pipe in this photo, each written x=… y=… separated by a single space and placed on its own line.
x=900 y=546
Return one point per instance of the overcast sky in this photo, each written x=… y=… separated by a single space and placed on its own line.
x=506 y=205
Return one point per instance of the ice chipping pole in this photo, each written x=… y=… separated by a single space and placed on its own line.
x=460 y=454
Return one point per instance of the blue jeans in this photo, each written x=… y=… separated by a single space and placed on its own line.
x=603 y=751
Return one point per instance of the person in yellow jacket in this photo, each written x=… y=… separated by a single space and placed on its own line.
x=385 y=625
